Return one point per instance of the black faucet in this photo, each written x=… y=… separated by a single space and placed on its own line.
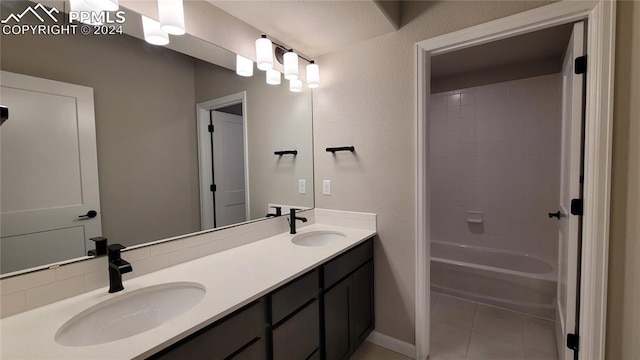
x=278 y=211
x=117 y=267
x=292 y=220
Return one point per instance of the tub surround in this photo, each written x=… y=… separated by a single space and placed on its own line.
x=495 y=149
x=233 y=278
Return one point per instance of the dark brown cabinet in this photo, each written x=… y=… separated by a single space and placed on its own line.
x=299 y=336
x=348 y=305
x=295 y=318
x=324 y=314
x=336 y=322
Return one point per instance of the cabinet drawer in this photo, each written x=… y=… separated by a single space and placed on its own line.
x=299 y=337
x=238 y=330
x=342 y=266
x=293 y=295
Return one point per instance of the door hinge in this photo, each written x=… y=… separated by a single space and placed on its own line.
x=210 y=127
x=573 y=341
x=576 y=207
x=581 y=65
x=213 y=187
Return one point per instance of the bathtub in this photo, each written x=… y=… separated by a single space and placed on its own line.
x=507 y=279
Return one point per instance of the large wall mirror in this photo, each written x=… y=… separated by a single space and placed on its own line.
x=153 y=170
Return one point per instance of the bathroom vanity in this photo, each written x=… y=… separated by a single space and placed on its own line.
x=324 y=314
x=304 y=296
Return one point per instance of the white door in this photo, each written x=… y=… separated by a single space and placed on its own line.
x=228 y=164
x=49 y=172
x=570 y=172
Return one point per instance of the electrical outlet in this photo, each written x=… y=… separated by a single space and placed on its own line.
x=326 y=187
x=302 y=186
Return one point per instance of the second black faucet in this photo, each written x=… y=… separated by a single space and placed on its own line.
x=292 y=220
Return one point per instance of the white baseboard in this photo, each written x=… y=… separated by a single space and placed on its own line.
x=392 y=344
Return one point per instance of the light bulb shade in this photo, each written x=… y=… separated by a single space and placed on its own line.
x=153 y=34
x=295 y=85
x=313 y=75
x=171 y=13
x=104 y=5
x=290 y=65
x=85 y=12
x=273 y=77
x=244 y=66
x=264 y=53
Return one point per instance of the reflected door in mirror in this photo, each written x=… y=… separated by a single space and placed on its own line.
x=229 y=168
x=49 y=172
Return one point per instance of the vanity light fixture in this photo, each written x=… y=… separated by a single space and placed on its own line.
x=290 y=65
x=273 y=77
x=153 y=34
x=104 y=5
x=313 y=75
x=264 y=53
x=171 y=13
x=288 y=58
x=82 y=6
x=295 y=85
x=244 y=66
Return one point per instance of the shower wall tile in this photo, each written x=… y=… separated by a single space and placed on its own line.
x=496 y=149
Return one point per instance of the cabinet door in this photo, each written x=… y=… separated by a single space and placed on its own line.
x=336 y=322
x=361 y=304
x=256 y=351
x=298 y=337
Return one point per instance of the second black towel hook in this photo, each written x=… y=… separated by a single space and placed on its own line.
x=342 y=148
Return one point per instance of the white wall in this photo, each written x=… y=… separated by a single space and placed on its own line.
x=496 y=149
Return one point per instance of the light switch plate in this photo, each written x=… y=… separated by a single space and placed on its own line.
x=302 y=186
x=326 y=187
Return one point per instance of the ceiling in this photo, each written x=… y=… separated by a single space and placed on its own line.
x=542 y=44
x=316 y=27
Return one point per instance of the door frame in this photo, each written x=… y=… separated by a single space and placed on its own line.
x=204 y=153
x=598 y=143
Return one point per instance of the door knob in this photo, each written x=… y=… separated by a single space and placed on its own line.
x=89 y=215
x=555 y=215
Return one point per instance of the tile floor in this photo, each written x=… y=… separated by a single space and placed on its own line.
x=465 y=330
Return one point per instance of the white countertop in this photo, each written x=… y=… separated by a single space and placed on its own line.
x=233 y=278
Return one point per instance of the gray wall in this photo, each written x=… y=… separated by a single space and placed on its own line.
x=277 y=119
x=367 y=100
x=147 y=158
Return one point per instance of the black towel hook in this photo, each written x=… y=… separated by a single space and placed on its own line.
x=285 y=152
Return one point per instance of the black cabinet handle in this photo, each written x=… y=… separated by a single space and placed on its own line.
x=90 y=215
x=555 y=215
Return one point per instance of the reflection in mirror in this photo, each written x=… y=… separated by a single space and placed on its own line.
x=113 y=125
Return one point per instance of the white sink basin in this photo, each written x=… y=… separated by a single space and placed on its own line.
x=318 y=238
x=130 y=314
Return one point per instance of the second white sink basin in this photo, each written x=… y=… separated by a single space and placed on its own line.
x=318 y=238
x=130 y=314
